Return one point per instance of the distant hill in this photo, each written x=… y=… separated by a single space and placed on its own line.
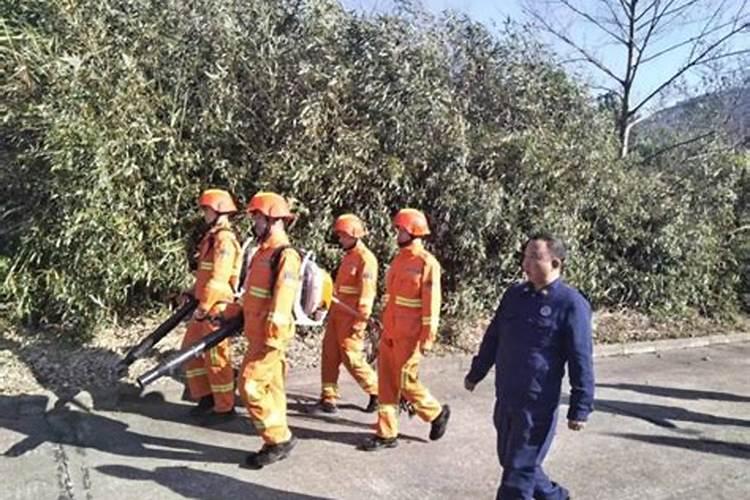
x=728 y=110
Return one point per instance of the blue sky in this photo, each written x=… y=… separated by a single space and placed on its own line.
x=612 y=55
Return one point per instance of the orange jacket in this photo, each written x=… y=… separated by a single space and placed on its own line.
x=219 y=261
x=356 y=284
x=268 y=312
x=412 y=296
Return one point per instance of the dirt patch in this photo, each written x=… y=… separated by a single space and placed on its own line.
x=35 y=361
x=612 y=327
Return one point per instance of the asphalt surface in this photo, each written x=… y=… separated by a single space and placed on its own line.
x=667 y=425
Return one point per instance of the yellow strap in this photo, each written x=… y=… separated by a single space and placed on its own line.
x=222 y=387
x=263 y=293
x=206 y=266
x=430 y=320
x=406 y=302
x=392 y=409
x=350 y=290
x=215 y=361
x=197 y=372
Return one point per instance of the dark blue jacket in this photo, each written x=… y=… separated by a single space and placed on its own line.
x=531 y=337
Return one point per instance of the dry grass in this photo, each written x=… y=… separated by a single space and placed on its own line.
x=33 y=361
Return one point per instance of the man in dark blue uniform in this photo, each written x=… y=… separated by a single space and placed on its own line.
x=540 y=325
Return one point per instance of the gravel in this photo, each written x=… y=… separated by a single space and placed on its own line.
x=40 y=363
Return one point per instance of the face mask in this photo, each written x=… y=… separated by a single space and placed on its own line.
x=406 y=243
x=262 y=234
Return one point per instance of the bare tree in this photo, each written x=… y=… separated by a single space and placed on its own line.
x=648 y=32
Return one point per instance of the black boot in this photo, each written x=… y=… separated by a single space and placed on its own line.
x=376 y=443
x=270 y=453
x=440 y=424
x=217 y=418
x=372 y=406
x=205 y=404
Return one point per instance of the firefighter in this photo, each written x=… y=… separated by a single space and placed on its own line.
x=540 y=326
x=355 y=288
x=410 y=322
x=210 y=378
x=270 y=288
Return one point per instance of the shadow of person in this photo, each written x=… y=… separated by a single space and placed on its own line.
x=302 y=402
x=663 y=415
x=677 y=393
x=67 y=371
x=300 y=406
x=342 y=437
x=202 y=485
x=713 y=446
x=63 y=425
x=154 y=405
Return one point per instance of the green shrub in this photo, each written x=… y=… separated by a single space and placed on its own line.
x=118 y=113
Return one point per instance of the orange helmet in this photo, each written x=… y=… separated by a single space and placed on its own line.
x=350 y=225
x=271 y=205
x=412 y=221
x=217 y=199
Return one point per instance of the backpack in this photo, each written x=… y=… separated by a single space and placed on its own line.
x=315 y=293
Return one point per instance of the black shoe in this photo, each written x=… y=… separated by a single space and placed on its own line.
x=270 y=453
x=440 y=424
x=375 y=443
x=205 y=405
x=372 y=406
x=217 y=418
x=327 y=407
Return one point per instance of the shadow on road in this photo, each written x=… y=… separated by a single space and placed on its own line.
x=202 y=485
x=675 y=393
x=724 y=448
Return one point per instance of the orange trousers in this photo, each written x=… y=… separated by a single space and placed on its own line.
x=398 y=368
x=211 y=373
x=261 y=386
x=341 y=345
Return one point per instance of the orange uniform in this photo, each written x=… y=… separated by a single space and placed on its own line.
x=410 y=321
x=219 y=260
x=356 y=287
x=269 y=326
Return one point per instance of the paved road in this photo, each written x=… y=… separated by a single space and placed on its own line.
x=670 y=425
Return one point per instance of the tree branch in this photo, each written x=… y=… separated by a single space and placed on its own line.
x=616 y=20
x=705 y=31
x=723 y=55
x=655 y=19
x=590 y=58
x=653 y=4
x=685 y=42
x=740 y=229
x=606 y=89
x=592 y=20
x=677 y=145
x=626 y=8
x=667 y=12
x=697 y=60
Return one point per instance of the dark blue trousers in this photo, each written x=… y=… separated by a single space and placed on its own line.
x=523 y=440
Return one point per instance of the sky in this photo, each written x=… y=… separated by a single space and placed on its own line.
x=612 y=55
